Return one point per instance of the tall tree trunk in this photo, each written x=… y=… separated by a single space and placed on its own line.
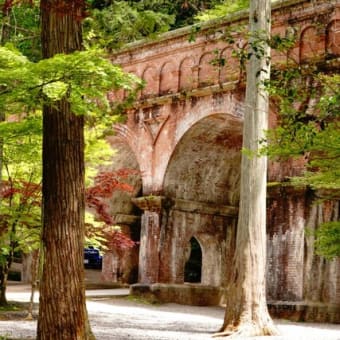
x=246 y=311
x=62 y=309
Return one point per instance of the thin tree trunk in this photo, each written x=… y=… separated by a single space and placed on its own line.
x=34 y=282
x=4 y=268
x=246 y=311
x=3 y=284
x=62 y=309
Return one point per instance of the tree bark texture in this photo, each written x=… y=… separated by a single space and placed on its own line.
x=62 y=311
x=246 y=311
x=3 y=284
x=6 y=265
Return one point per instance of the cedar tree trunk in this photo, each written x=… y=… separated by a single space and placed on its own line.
x=62 y=309
x=246 y=311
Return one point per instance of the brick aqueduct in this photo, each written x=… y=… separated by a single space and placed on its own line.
x=184 y=136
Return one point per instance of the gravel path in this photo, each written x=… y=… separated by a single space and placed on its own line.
x=118 y=318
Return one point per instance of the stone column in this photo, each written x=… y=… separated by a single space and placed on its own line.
x=149 y=257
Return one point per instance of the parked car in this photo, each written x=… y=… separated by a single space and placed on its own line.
x=92 y=258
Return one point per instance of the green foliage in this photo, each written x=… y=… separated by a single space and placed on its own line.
x=20 y=221
x=21 y=154
x=20 y=195
x=20 y=25
x=328 y=240
x=324 y=164
x=12 y=307
x=97 y=151
x=308 y=124
x=121 y=23
x=85 y=77
x=174 y=14
x=223 y=9
x=93 y=233
x=185 y=11
x=20 y=207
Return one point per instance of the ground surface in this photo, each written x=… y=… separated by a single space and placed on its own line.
x=115 y=317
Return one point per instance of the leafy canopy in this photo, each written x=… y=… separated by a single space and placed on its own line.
x=83 y=77
x=121 y=23
x=171 y=14
x=328 y=240
x=20 y=194
x=20 y=25
x=223 y=9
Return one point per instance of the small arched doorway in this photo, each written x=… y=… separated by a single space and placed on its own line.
x=193 y=266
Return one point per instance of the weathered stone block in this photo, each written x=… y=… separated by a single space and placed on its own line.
x=185 y=294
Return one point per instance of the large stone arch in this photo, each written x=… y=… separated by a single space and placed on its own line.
x=189 y=113
x=205 y=162
x=201 y=185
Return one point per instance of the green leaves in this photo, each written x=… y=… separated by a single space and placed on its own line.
x=55 y=91
x=84 y=78
x=328 y=240
x=20 y=216
x=308 y=125
x=225 y=8
x=20 y=25
x=21 y=149
x=121 y=23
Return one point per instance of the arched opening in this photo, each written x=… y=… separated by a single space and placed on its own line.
x=205 y=164
x=193 y=266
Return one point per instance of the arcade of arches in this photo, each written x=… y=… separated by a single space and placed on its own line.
x=184 y=135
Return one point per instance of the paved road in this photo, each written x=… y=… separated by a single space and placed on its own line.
x=117 y=318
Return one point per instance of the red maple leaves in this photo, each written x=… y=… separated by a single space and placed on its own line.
x=96 y=197
x=106 y=183
x=28 y=191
